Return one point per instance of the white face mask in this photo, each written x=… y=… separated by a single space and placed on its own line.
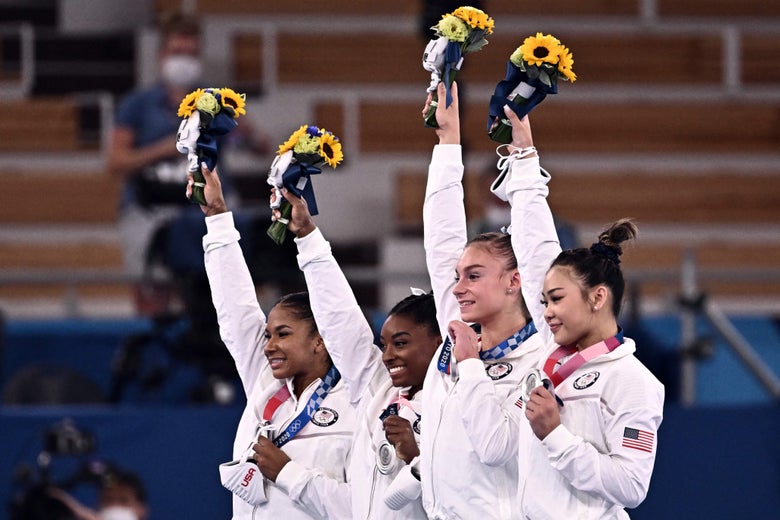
x=118 y=513
x=181 y=70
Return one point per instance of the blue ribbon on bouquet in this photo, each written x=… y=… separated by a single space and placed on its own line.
x=452 y=55
x=515 y=76
x=297 y=179
x=207 y=144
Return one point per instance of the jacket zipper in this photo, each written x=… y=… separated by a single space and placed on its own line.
x=371 y=496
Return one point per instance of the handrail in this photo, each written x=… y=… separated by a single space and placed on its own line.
x=379 y=274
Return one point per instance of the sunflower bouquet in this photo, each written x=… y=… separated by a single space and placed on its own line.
x=458 y=33
x=532 y=72
x=207 y=114
x=301 y=156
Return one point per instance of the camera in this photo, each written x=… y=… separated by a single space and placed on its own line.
x=31 y=499
x=64 y=438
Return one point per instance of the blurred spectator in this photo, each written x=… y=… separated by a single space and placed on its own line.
x=121 y=496
x=143 y=144
x=497 y=214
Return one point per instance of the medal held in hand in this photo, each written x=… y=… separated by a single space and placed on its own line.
x=533 y=379
x=207 y=113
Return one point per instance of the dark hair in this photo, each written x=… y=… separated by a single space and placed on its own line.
x=299 y=306
x=599 y=264
x=500 y=246
x=120 y=477
x=177 y=22
x=420 y=308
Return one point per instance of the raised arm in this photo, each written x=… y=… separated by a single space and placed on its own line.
x=340 y=321
x=444 y=213
x=523 y=184
x=241 y=320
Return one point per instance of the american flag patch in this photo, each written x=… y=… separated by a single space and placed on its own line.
x=638 y=439
x=519 y=403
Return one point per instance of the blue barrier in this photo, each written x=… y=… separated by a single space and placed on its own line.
x=719 y=462
x=176 y=451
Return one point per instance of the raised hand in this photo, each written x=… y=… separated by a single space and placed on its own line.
x=301 y=222
x=215 y=200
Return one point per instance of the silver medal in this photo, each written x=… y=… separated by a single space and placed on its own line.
x=385 y=457
x=531 y=380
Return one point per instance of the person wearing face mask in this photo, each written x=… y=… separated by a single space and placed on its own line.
x=121 y=496
x=143 y=142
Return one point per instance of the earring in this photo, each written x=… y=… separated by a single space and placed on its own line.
x=595 y=308
x=509 y=291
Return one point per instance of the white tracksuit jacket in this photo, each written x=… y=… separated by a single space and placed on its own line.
x=589 y=467
x=311 y=485
x=470 y=432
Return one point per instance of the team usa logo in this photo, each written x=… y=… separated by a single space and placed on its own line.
x=584 y=381
x=248 y=477
x=325 y=416
x=498 y=370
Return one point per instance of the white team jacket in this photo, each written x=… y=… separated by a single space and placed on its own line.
x=596 y=462
x=312 y=484
x=590 y=467
x=360 y=364
x=470 y=433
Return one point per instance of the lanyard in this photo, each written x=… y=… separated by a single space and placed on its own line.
x=328 y=382
x=497 y=352
x=394 y=408
x=576 y=361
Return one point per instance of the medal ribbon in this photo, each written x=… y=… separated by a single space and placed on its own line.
x=394 y=407
x=320 y=393
x=576 y=361
x=497 y=352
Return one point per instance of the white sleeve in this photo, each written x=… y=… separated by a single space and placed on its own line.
x=405 y=488
x=534 y=238
x=342 y=324
x=444 y=227
x=241 y=320
x=621 y=476
x=323 y=496
x=493 y=431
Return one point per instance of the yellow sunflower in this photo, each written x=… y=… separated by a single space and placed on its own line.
x=475 y=18
x=566 y=63
x=188 y=103
x=330 y=149
x=540 y=49
x=230 y=98
x=289 y=144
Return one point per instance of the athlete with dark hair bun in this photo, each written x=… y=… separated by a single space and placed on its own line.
x=590 y=411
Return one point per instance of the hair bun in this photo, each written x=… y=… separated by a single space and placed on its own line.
x=609 y=252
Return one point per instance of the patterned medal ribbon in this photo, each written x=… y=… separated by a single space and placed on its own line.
x=283 y=394
x=497 y=352
x=576 y=361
